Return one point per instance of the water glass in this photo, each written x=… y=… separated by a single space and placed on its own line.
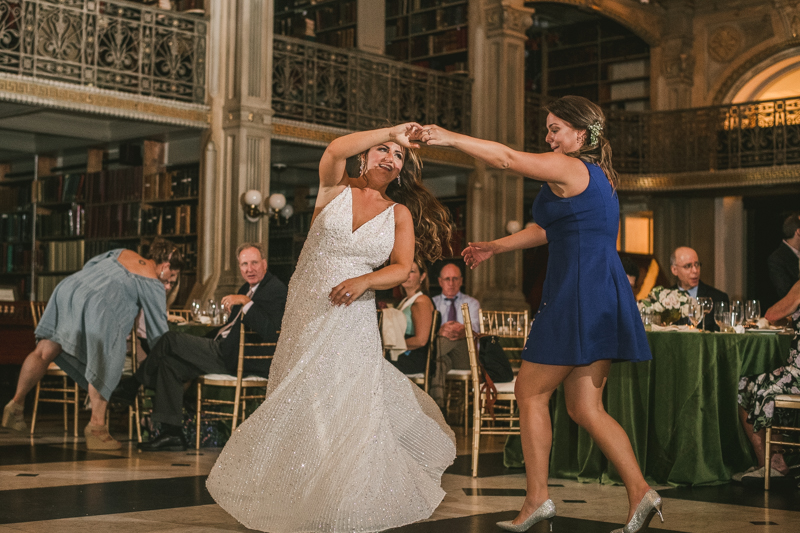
x=212 y=309
x=648 y=318
x=752 y=311
x=722 y=315
x=196 y=310
x=737 y=313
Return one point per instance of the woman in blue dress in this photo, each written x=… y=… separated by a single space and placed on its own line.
x=85 y=324
x=588 y=316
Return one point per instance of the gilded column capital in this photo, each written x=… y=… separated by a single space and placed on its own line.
x=508 y=19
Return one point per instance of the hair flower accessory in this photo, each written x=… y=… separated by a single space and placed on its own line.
x=595 y=130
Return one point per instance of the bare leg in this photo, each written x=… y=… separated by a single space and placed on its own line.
x=757 y=440
x=583 y=389
x=34 y=368
x=99 y=405
x=535 y=384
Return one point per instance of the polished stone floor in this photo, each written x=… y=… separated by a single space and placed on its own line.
x=51 y=483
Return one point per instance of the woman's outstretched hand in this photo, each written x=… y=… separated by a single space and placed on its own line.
x=405 y=134
x=477 y=252
x=434 y=135
x=348 y=291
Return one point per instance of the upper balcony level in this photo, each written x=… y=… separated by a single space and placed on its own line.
x=116 y=45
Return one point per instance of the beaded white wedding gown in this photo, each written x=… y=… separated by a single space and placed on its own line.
x=344 y=441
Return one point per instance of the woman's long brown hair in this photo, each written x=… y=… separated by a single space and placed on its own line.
x=581 y=113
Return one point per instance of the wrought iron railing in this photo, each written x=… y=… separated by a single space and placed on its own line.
x=350 y=89
x=733 y=136
x=115 y=45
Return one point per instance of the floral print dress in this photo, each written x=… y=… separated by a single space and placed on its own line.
x=757 y=393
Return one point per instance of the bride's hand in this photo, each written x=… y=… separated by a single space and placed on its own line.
x=478 y=252
x=404 y=134
x=348 y=291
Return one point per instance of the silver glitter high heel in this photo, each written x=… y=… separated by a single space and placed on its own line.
x=545 y=511
x=645 y=511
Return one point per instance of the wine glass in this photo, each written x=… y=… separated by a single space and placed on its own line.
x=213 y=310
x=512 y=325
x=722 y=315
x=196 y=310
x=696 y=313
x=737 y=313
x=707 y=304
x=752 y=311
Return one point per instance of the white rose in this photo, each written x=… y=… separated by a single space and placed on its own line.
x=671 y=301
x=685 y=310
x=658 y=308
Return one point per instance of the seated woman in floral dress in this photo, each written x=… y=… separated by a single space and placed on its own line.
x=757 y=393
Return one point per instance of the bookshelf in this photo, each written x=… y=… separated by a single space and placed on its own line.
x=457 y=205
x=286 y=241
x=428 y=33
x=16 y=230
x=595 y=58
x=331 y=22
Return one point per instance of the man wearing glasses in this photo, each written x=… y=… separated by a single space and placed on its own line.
x=685 y=266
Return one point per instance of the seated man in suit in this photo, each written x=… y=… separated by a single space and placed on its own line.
x=783 y=262
x=179 y=357
x=685 y=266
x=451 y=339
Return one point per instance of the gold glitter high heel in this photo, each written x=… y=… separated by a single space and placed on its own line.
x=545 y=511
x=645 y=511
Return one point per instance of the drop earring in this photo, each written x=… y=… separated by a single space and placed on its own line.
x=398 y=180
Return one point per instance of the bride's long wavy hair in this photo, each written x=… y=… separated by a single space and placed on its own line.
x=432 y=221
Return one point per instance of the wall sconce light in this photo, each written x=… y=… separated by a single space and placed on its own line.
x=513 y=226
x=277 y=206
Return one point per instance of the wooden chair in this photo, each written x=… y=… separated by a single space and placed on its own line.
x=483 y=423
x=507 y=325
x=241 y=385
x=423 y=378
x=135 y=411
x=64 y=393
x=185 y=314
x=782 y=401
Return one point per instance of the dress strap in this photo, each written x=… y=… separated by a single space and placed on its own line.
x=409 y=301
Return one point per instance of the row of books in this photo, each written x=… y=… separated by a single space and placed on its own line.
x=15 y=227
x=183 y=183
x=15 y=258
x=64 y=188
x=45 y=285
x=61 y=256
x=450 y=41
x=342 y=38
x=120 y=185
x=335 y=15
x=15 y=198
x=403 y=7
x=188 y=249
x=118 y=220
x=60 y=224
x=171 y=220
x=439 y=18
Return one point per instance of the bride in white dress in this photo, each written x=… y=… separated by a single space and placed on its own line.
x=344 y=441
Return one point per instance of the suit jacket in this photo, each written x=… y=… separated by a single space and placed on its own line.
x=783 y=269
x=264 y=317
x=707 y=291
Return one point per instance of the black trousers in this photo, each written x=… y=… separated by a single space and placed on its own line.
x=175 y=359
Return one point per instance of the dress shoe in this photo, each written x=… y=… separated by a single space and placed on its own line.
x=98 y=438
x=126 y=391
x=13 y=416
x=647 y=508
x=545 y=511
x=166 y=442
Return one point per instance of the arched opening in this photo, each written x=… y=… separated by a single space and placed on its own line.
x=773 y=78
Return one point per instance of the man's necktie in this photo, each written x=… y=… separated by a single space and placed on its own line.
x=223 y=333
x=451 y=314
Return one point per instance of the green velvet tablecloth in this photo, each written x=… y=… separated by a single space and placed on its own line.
x=680 y=410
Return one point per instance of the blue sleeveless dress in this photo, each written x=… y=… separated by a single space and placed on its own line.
x=588 y=311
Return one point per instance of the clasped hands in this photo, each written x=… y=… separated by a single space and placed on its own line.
x=453 y=331
x=411 y=134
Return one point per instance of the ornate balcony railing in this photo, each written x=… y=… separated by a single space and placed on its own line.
x=733 y=136
x=115 y=45
x=350 y=89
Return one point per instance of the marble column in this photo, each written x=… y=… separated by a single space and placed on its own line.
x=495 y=197
x=236 y=147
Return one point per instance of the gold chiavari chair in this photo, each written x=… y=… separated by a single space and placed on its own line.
x=64 y=393
x=208 y=408
x=423 y=378
x=185 y=314
x=483 y=422
x=507 y=325
x=782 y=401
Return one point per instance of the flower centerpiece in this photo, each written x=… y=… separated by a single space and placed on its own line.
x=669 y=304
